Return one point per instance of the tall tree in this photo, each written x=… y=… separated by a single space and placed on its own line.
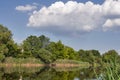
x=5 y=35
x=57 y=50
x=60 y=51
x=44 y=41
x=33 y=44
x=7 y=45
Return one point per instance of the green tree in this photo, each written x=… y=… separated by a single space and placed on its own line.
x=44 y=41
x=5 y=35
x=110 y=55
x=57 y=50
x=60 y=51
x=33 y=44
x=69 y=53
x=90 y=56
x=30 y=46
x=83 y=55
x=7 y=45
x=2 y=56
x=44 y=55
x=14 y=49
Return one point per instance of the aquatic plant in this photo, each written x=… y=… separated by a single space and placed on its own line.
x=111 y=71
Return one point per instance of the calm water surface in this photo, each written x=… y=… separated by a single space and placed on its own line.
x=45 y=73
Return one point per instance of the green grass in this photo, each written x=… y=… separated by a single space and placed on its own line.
x=62 y=61
x=66 y=61
x=111 y=72
x=22 y=60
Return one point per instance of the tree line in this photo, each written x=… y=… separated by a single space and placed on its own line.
x=40 y=47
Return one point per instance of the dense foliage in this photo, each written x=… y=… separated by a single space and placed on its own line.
x=40 y=47
x=7 y=45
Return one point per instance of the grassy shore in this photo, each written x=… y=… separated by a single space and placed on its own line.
x=69 y=63
x=22 y=61
x=33 y=62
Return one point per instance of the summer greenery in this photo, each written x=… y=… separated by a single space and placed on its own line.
x=40 y=50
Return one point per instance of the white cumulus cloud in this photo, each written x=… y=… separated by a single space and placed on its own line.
x=111 y=23
x=111 y=7
x=26 y=8
x=73 y=18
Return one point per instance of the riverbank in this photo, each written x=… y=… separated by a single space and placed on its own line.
x=42 y=65
x=21 y=65
x=33 y=62
x=69 y=63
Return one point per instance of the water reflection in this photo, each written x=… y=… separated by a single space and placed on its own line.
x=46 y=73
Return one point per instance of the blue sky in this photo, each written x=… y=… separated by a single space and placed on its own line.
x=81 y=24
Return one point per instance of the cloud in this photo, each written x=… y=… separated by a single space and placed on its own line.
x=73 y=18
x=26 y=8
x=111 y=23
x=111 y=7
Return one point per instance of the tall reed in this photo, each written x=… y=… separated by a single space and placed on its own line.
x=111 y=72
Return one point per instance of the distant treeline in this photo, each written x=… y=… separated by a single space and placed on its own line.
x=40 y=47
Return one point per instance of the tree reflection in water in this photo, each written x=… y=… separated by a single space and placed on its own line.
x=46 y=73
